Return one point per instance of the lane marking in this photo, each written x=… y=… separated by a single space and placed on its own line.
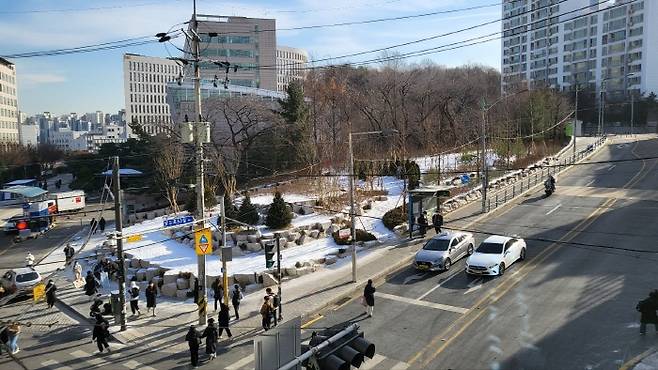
x=400 y=366
x=371 y=363
x=438 y=306
x=132 y=364
x=414 y=277
x=554 y=209
x=590 y=183
x=90 y=359
x=437 y=286
x=238 y=364
x=309 y=323
x=611 y=167
x=474 y=285
x=55 y=365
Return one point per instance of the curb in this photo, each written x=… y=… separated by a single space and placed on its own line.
x=630 y=364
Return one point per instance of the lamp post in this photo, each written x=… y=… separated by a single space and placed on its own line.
x=632 y=102
x=575 y=124
x=351 y=183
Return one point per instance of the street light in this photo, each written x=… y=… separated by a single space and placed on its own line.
x=632 y=102
x=351 y=181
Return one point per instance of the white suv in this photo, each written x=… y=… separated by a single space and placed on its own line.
x=20 y=281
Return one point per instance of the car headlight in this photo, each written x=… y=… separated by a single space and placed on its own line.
x=492 y=266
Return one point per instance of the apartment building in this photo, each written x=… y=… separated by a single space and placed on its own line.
x=290 y=66
x=600 y=46
x=145 y=79
x=9 y=133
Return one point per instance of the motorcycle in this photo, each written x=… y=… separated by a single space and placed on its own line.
x=549 y=188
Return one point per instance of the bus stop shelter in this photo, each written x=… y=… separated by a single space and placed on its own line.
x=425 y=198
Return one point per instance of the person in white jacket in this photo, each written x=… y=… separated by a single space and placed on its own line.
x=29 y=260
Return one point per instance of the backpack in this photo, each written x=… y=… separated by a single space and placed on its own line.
x=275 y=301
x=236 y=296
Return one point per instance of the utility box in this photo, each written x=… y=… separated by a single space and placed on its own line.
x=203 y=131
x=187 y=133
x=116 y=306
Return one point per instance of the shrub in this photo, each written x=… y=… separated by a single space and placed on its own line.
x=279 y=215
x=361 y=236
x=395 y=217
x=248 y=212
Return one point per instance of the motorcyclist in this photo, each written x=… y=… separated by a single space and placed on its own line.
x=551 y=181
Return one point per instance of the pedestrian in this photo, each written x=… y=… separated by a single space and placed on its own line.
x=134 y=298
x=13 y=332
x=68 y=253
x=236 y=297
x=101 y=224
x=218 y=291
x=92 y=225
x=266 y=313
x=101 y=333
x=210 y=333
x=91 y=285
x=275 y=301
x=51 y=295
x=369 y=298
x=422 y=223
x=647 y=307
x=151 y=292
x=29 y=260
x=4 y=338
x=223 y=320
x=193 y=340
x=437 y=221
x=77 y=271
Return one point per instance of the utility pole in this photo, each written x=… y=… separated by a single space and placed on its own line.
x=199 y=130
x=575 y=124
x=602 y=112
x=484 y=157
x=119 y=238
x=222 y=207
x=632 y=106
x=278 y=273
x=352 y=212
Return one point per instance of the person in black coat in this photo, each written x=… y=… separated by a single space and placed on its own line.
x=151 y=292
x=647 y=308
x=210 y=333
x=91 y=285
x=422 y=224
x=369 y=298
x=223 y=320
x=192 y=339
x=437 y=221
x=101 y=224
x=69 y=252
x=218 y=291
x=101 y=333
x=51 y=295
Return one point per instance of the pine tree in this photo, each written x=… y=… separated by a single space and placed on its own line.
x=248 y=212
x=295 y=112
x=279 y=215
x=230 y=210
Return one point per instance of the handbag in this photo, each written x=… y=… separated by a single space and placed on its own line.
x=363 y=301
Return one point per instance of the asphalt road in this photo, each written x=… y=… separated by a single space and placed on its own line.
x=568 y=306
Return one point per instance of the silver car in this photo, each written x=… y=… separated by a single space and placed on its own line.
x=440 y=252
x=20 y=281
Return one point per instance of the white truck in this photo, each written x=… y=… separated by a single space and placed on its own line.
x=69 y=201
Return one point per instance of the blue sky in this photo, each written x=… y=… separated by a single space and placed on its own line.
x=94 y=81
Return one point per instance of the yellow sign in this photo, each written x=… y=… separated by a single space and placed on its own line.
x=203 y=241
x=39 y=291
x=135 y=238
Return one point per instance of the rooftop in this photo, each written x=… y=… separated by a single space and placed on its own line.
x=6 y=62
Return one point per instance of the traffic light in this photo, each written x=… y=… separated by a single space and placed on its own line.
x=343 y=353
x=269 y=254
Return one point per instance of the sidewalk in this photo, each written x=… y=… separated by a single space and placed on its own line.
x=304 y=296
x=649 y=362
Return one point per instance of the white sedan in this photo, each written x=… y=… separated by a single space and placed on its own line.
x=440 y=252
x=495 y=255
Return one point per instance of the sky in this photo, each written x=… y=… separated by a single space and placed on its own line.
x=87 y=82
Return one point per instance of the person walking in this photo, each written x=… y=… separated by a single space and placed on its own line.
x=101 y=224
x=13 y=331
x=101 y=333
x=68 y=253
x=647 y=307
x=93 y=224
x=274 y=301
x=134 y=298
x=210 y=333
x=266 y=313
x=369 y=298
x=236 y=297
x=193 y=340
x=422 y=223
x=29 y=260
x=151 y=292
x=223 y=320
x=77 y=271
x=91 y=285
x=51 y=295
x=218 y=291
x=437 y=221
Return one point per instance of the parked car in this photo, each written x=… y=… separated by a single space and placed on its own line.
x=495 y=255
x=20 y=281
x=440 y=252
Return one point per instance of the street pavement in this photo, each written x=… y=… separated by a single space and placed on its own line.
x=568 y=306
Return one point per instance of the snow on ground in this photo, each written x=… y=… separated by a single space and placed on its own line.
x=448 y=161
x=265 y=199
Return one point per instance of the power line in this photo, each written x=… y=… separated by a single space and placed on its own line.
x=69 y=10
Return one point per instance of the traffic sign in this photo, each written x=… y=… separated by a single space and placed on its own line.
x=203 y=241
x=39 y=291
x=135 y=238
x=182 y=220
x=26 y=205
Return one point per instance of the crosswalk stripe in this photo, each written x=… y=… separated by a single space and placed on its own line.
x=90 y=359
x=55 y=365
x=132 y=364
x=437 y=306
x=371 y=363
x=400 y=366
x=241 y=363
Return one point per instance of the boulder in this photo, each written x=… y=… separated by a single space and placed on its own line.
x=288 y=245
x=291 y=271
x=292 y=236
x=182 y=283
x=332 y=229
x=251 y=288
x=156 y=280
x=244 y=279
x=252 y=238
x=371 y=243
x=269 y=280
x=320 y=261
x=381 y=198
x=237 y=251
x=283 y=241
x=314 y=233
x=135 y=263
x=240 y=238
x=304 y=227
x=141 y=274
x=304 y=270
x=330 y=260
x=144 y=264
x=170 y=278
x=152 y=272
x=169 y=289
x=308 y=210
x=181 y=293
x=254 y=247
x=324 y=225
x=301 y=240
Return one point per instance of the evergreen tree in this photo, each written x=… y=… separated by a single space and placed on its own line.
x=230 y=210
x=295 y=112
x=279 y=215
x=248 y=212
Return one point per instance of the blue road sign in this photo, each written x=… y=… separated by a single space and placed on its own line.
x=26 y=205
x=182 y=220
x=465 y=179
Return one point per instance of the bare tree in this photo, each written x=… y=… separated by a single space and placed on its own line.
x=168 y=167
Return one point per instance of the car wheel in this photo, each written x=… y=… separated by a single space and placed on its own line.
x=470 y=249
x=522 y=255
x=446 y=264
x=501 y=269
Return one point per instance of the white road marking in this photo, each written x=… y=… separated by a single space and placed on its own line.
x=371 y=363
x=436 y=287
x=590 y=183
x=90 y=359
x=474 y=285
x=611 y=167
x=238 y=364
x=132 y=364
x=400 y=366
x=416 y=302
x=414 y=277
x=554 y=209
x=55 y=365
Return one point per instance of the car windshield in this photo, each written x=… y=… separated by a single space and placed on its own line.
x=21 y=278
x=437 y=245
x=490 y=248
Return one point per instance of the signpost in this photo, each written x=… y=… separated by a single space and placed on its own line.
x=135 y=238
x=39 y=291
x=203 y=241
x=182 y=220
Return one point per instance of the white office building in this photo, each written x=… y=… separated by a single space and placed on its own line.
x=9 y=133
x=290 y=66
x=145 y=80
x=611 y=46
x=29 y=134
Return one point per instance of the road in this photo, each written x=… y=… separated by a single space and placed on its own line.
x=567 y=306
